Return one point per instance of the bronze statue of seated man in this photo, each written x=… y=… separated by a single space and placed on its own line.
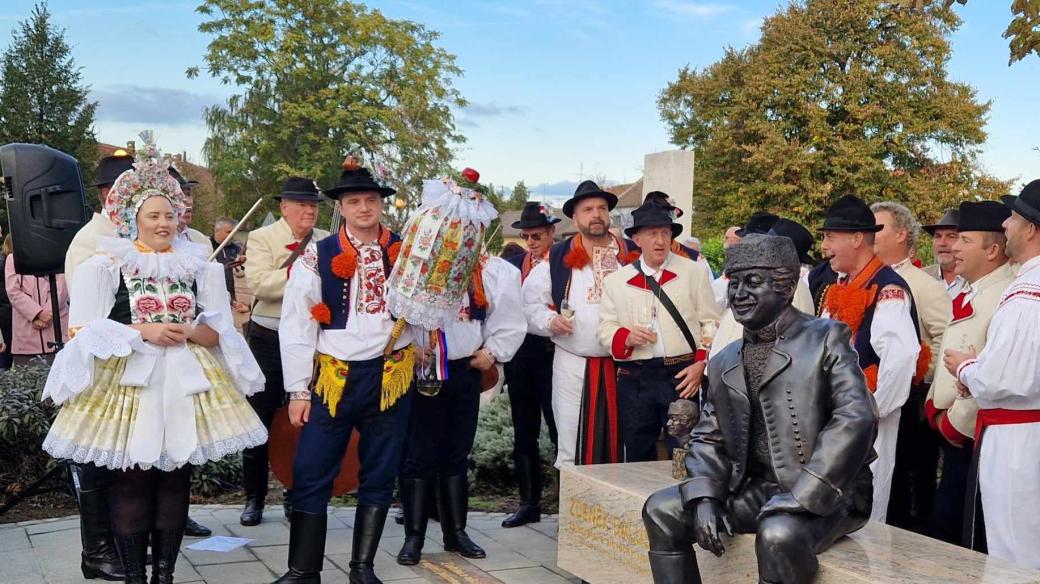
x=784 y=439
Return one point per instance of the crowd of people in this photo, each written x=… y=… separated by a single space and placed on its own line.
x=598 y=334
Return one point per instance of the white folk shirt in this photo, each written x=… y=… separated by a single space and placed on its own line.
x=584 y=298
x=1006 y=375
x=300 y=336
x=504 y=326
x=894 y=339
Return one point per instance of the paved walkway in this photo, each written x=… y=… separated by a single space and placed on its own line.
x=37 y=552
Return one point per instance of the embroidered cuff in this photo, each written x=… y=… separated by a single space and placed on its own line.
x=930 y=411
x=300 y=395
x=949 y=432
x=963 y=366
x=617 y=346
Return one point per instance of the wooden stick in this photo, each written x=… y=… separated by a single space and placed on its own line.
x=245 y=218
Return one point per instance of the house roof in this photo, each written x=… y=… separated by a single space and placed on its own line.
x=190 y=170
x=629 y=195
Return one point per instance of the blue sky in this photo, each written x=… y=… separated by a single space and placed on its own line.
x=559 y=89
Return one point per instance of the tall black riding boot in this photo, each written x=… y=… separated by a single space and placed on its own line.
x=674 y=567
x=306 y=548
x=254 y=482
x=529 y=479
x=165 y=546
x=132 y=550
x=368 y=528
x=416 y=501
x=454 y=496
x=99 y=558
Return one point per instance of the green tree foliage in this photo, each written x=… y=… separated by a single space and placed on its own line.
x=42 y=97
x=1023 y=32
x=518 y=198
x=320 y=79
x=838 y=96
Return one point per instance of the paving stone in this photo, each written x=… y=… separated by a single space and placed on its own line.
x=500 y=559
x=537 y=575
x=387 y=568
x=203 y=558
x=49 y=527
x=253 y=572
x=13 y=538
x=265 y=534
x=21 y=567
x=57 y=541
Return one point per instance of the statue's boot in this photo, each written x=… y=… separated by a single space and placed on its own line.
x=674 y=567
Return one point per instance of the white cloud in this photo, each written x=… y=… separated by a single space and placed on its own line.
x=151 y=105
x=694 y=9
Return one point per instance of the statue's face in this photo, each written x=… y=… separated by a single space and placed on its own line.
x=754 y=300
x=682 y=414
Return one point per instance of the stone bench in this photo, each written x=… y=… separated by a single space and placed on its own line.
x=602 y=541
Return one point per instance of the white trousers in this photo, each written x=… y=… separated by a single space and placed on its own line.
x=1009 y=482
x=568 y=379
x=883 y=467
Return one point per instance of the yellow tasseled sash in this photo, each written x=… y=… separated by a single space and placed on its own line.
x=331 y=378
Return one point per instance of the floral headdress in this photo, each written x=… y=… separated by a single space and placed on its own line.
x=148 y=178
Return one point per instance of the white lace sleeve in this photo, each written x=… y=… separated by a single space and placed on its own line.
x=215 y=303
x=73 y=368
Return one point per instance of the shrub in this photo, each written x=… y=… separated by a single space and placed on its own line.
x=493 y=447
x=24 y=421
x=218 y=476
x=713 y=251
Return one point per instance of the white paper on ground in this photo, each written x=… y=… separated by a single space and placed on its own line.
x=219 y=543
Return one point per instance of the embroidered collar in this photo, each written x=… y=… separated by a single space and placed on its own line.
x=144 y=248
x=577 y=258
x=183 y=261
x=345 y=264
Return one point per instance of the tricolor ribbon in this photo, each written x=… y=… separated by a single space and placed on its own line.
x=440 y=353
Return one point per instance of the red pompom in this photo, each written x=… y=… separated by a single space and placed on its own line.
x=871 y=374
x=470 y=175
x=321 y=313
x=393 y=252
x=577 y=258
x=351 y=163
x=631 y=257
x=345 y=264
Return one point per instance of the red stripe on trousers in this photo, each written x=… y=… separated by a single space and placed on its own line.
x=593 y=383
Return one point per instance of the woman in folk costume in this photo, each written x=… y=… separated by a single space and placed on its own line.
x=155 y=378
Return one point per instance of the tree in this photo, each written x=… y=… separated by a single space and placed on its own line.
x=519 y=197
x=838 y=96
x=42 y=98
x=320 y=79
x=1023 y=32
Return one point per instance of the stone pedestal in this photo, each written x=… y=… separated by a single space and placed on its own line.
x=672 y=172
x=602 y=541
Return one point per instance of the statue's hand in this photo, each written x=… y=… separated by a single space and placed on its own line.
x=708 y=517
x=781 y=503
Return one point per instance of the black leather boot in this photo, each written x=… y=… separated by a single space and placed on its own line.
x=674 y=567
x=306 y=548
x=132 y=550
x=287 y=504
x=254 y=482
x=195 y=529
x=99 y=558
x=368 y=528
x=529 y=479
x=165 y=547
x=454 y=498
x=415 y=501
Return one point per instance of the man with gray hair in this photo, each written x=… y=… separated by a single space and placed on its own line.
x=799 y=482
x=917 y=447
x=231 y=254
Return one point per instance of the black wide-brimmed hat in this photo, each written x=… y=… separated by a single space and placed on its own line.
x=535 y=214
x=663 y=199
x=850 y=214
x=186 y=184
x=653 y=214
x=802 y=238
x=298 y=188
x=110 y=167
x=948 y=221
x=585 y=190
x=983 y=216
x=356 y=179
x=1027 y=203
x=760 y=222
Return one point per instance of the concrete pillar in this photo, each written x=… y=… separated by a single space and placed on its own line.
x=672 y=173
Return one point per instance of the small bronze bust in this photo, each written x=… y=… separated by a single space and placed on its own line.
x=799 y=482
x=682 y=415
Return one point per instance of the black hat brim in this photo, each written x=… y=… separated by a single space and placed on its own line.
x=676 y=229
x=568 y=207
x=931 y=229
x=852 y=228
x=299 y=196
x=1016 y=205
x=335 y=193
x=521 y=225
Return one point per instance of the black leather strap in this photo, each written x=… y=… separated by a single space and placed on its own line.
x=668 y=305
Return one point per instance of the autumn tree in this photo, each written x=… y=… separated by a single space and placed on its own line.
x=320 y=79
x=42 y=96
x=1023 y=32
x=838 y=96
